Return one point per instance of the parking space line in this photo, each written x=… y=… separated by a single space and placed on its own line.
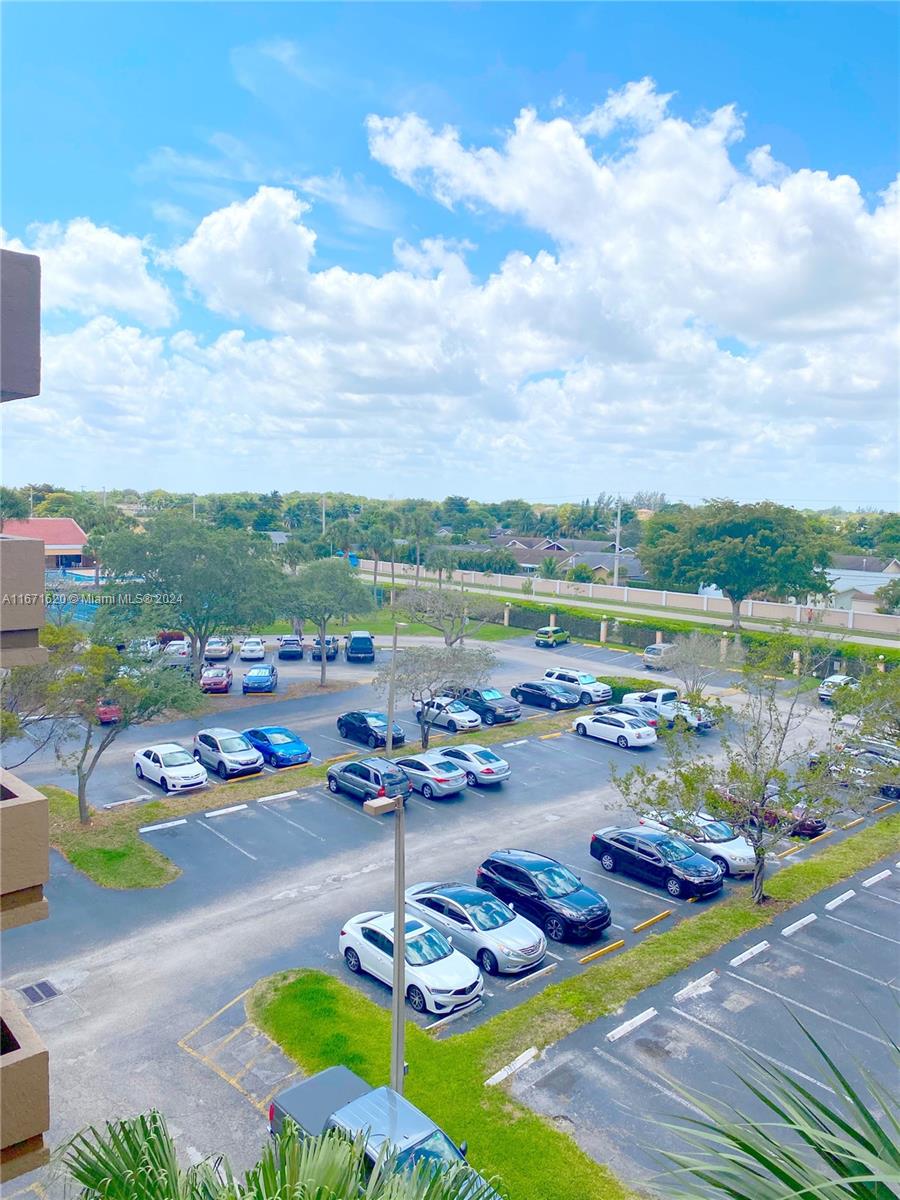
x=558 y=957
x=348 y=807
x=862 y=929
x=220 y=812
x=627 y=1026
x=523 y=979
x=276 y=796
x=752 y=1049
x=876 y=878
x=239 y=849
x=421 y=803
x=806 y=1008
x=889 y=899
x=853 y=970
x=520 y=742
x=296 y=824
x=648 y=1080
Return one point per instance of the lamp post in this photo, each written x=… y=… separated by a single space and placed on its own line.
x=398 y=993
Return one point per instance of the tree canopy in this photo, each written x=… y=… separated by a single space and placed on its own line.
x=324 y=589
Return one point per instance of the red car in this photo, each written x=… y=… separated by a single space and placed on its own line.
x=108 y=712
x=216 y=679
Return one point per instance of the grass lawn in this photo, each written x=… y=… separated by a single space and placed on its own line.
x=320 y=1021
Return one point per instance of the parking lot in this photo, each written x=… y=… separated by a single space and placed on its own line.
x=833 y=964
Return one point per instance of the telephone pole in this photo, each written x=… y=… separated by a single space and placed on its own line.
x=618 y=542
x=398 y=980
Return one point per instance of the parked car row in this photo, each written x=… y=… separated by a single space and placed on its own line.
x=435 y=773
x=218 y=679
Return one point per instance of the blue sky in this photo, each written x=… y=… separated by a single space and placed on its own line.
x=144 y=119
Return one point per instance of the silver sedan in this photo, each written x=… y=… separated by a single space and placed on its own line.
x=433 y=776
x=481 y=765
x=479 y=925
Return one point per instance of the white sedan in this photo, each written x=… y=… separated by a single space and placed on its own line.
x=711 y=837
x=481 y=765
x=452 y=714
x=170 y=766
x=438 y=978
x=253 y=649
x=627 y=732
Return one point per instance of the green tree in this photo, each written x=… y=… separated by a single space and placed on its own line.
x=887 y=535
x=425 y=672
x=580 y=573
x=323 y=590
x=747 y=550
x=454 y=614
x=549 y=568
x=887 y=598
x=209 y=581
x=27 y=716
x=419 y=528
x=13 y=506
x=440 y=557
x=377 y=542
x=393 y=522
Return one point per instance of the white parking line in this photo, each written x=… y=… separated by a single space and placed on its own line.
x=839 y=900
x=807 y=920
x=130 y=800
x=220 y=812
x=234 y=845
x=853 y=970
x=349 y=807
x=421 y=804
x=876 y=878
x=269 y=770
x=878 y=896
x=281 y=817
x=748 y=954
x=752 y=1049
x=862 y=929
x=621 y=883
x=162 y=825
x=647 y=1079
x=806 y=1008
x=558 y=957
x=627 y=1026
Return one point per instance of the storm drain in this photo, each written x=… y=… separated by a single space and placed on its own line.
x=38 y=993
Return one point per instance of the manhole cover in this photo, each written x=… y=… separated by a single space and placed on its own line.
x=37 y=993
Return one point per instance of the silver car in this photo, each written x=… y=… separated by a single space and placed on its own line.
x=451 y=713
x=708 y=835
x=226 y=752
x=479 y=925
x=481 y=765
x=433 y=776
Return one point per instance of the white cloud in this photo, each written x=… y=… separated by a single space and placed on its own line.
x=638 y=103
x=90 y=269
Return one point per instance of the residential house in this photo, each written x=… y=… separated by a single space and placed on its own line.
x=603 y=566
x=64 y=539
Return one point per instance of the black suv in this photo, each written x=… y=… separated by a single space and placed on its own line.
x=360 y=647
x=491 y=705
x=545 y=892
x=370 y=728
x=658 y=857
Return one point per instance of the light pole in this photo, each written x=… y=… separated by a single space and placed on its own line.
x=398 y=993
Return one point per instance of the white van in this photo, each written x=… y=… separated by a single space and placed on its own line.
x=658 y=656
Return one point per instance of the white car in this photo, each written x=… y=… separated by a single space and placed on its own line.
x=664 y=700
x=586 y=685
x=714 y=838
x=481 y=765
x=170 y=766
x=253 y=649
x=829 y=686
x=177 y=654
x=438 y=979
x=452 y=714
x=627 y=732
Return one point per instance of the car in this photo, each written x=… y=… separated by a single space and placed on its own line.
x=589 y=690
x=360 y=646
x=278 y=746
x=290 y=646
x=218 y=649
x=144 y=648
x=870 y=766
x=369 y=728
x=658 y=656
x=643 y=712
x=253 y=649
x=331 y=649
x=170 y=766
x=793 y=809
x=545 y=695
x=545 y=892
x=109 y=712
x=227 y=752
x=551 y=635
x=433 y=775
x=491 y=705
x=828 y=687
x=482 y=766
x=260 y=679
x=438 y=979
x=657 y=857
x=369 y=779
x=663 y=701
x=216 y=679
x=629 y=733
x=480 y=925
x=452 y=714
x=711 y=836
x=177 y=653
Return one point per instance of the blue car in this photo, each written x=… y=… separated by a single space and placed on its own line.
x=278 y=746
x=263 y=678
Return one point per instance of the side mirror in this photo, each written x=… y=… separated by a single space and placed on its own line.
x=450 y=938
x=464 y=1148
x=512 y=906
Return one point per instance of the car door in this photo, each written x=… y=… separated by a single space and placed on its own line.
x=602 y=727
x=435 y=913
x=415 y=768
x=526 y=899
x=351 y=779
x=150 y=765
x=208 y=750
x=650 y=863
x=459 y=928
x=624 y=847
x=374 y=947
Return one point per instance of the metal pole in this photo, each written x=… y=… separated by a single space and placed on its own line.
x=618 y=541
x=398 y=992
x=323 y=516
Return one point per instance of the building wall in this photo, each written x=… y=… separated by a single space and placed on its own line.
x=21 y=601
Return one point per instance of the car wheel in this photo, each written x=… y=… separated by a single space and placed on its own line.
x=342 y=730
x=271 y=759
x=451 y=727
x=333 y=785
x=471 y=778
x=488 y=718
x=138 y=771
x=721 y=864
x=416 y=998
x=488 y=962
x=427 y=791
x=586 y=697
x=673 y=886
x=163 y=783
x=222 y=771
x=516 y=695
x=372 y=741
x=196 y=756
x=622 y=742
x=607 y=862
x=581 y=730
x=555 y=928
x=351 y=958
x=554 y=707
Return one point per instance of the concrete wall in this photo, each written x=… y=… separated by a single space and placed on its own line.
x=21 y=601
x=24 y=852
x=20 y=325
x=24 y=1094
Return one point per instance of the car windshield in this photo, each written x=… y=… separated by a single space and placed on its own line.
x=491 y=694
x=718 y=831
x=280 y=737
x=488 y=756
x=586 y=678
x=215 y=673
x=258 y=672
x=555 y=881
x=489 y=913
x=233 y=745
x=672 y=850
x=375 y=718
x=427 y=947
x=176 y=758
x=436 y=1150
x=558 y=689
x=455 y=706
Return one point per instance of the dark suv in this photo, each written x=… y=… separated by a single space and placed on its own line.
x=368 y=779
x=491 y=705
x=546 y=892
x=331 y=649
x=360 y=647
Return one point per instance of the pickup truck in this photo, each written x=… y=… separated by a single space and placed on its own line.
x=671 y=709
x=336 y=1098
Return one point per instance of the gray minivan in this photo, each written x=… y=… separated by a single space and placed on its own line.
x=658 y=656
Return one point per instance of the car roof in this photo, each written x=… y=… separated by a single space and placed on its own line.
x=463 y=893
x=385 y=922
x=163 y=747
x=277 y=729
x=220 y=731
x=386 y=1118
x=378 y=763
x=523 y=858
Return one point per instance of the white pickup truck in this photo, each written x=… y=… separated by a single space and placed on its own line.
x=666 y=702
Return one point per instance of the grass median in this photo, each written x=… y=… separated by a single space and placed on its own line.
x=320 y=1021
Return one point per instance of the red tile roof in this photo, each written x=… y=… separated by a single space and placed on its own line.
x=59 y=534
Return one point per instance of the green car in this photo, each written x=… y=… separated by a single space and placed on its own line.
x=551 y=635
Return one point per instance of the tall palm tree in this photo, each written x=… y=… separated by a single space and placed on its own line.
x=549 y=569
x=419 y=526
x=392 y=523
x=135 y=1159
x=378 y=542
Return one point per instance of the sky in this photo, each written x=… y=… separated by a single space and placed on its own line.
x=539 y=250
